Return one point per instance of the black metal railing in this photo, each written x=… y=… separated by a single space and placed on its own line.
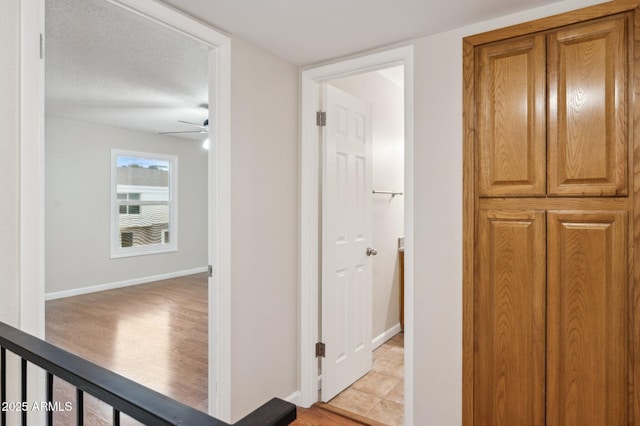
x=123 y=395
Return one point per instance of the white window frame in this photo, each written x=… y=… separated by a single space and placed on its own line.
x=116 y=250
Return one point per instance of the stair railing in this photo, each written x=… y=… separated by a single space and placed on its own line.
x=123 y=395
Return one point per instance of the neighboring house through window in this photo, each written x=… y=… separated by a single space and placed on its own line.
x=131 y=208
x=144 y=203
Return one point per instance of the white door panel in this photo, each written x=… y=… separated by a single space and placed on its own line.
x=346 y=229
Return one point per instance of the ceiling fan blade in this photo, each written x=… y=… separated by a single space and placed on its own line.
x=193 y=124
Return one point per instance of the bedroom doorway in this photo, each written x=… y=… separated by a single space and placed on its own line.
x=33 y=191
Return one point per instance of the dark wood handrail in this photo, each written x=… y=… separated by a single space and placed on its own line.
x=124 y=395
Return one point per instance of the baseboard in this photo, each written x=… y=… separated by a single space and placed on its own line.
x=294 y=398
x=380 y=339
x=120 y=284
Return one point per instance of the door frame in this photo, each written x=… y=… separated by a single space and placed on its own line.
x=32 y=191
x=310 y=220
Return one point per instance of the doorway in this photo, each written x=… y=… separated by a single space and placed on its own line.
x=378 y=392
x=32 y=189
x=311 y=218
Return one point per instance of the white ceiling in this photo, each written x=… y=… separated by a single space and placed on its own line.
x=105 y=65
x=109 y=66
x=308 y=31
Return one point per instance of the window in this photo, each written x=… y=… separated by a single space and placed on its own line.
x=144 y=203
x=126 y=239
x=129 y=209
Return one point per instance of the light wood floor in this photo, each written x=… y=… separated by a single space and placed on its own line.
x=326 y=415
x=156 y=335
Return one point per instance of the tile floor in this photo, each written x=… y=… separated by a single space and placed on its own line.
x=379 y=395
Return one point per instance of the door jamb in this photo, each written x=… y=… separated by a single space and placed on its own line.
x=32 y=264
x=310 y=80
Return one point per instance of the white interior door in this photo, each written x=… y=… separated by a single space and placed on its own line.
x=346 y=238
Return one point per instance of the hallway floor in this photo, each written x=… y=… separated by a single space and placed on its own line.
x=379 y=395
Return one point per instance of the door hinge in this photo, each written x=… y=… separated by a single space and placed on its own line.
x=321 y=118
x=41 y=46
x=320 y=350
x=210 y=271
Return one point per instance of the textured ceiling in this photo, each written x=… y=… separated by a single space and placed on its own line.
x=106 y=65
x=109 y=66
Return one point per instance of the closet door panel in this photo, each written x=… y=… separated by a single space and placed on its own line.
x=510 y=319
x=587 y=71
x=511 y=117
x=587 y=377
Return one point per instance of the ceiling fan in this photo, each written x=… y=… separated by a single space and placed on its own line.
x=204 y=128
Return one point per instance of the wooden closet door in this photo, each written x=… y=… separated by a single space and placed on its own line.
x=587 y=65
x=587 y=376
x=511 y=117
x=510 y=319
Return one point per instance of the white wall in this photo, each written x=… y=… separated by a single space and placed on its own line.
x=387 y=102
x=438 y=217
x=264 y=228
x=9 y=162
x=264 y=208
x=77 y=205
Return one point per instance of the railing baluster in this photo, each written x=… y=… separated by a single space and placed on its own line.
x=116 y=417
x=24 y=392
x=80 y=403
x=123 y=395
x=3 y=385
x=49 y=399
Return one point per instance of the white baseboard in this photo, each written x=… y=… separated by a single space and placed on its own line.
x=380 y=339
x=120 y=284
x=294 y=398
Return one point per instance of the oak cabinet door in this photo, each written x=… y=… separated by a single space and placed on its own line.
x=511 y=112
x=587 y=296
x=550 y=193
x=509 y=354
x=587 y=72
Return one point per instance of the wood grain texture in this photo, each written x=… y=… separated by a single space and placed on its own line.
x=552 y=22
x=587 y=350
x=625 y=400
x=155 y=334
x=511 y=116
x=510 y=319
x=634 y=242
x=567 y=203
x=468 y=224
x=325 y=415
x=587 y=74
